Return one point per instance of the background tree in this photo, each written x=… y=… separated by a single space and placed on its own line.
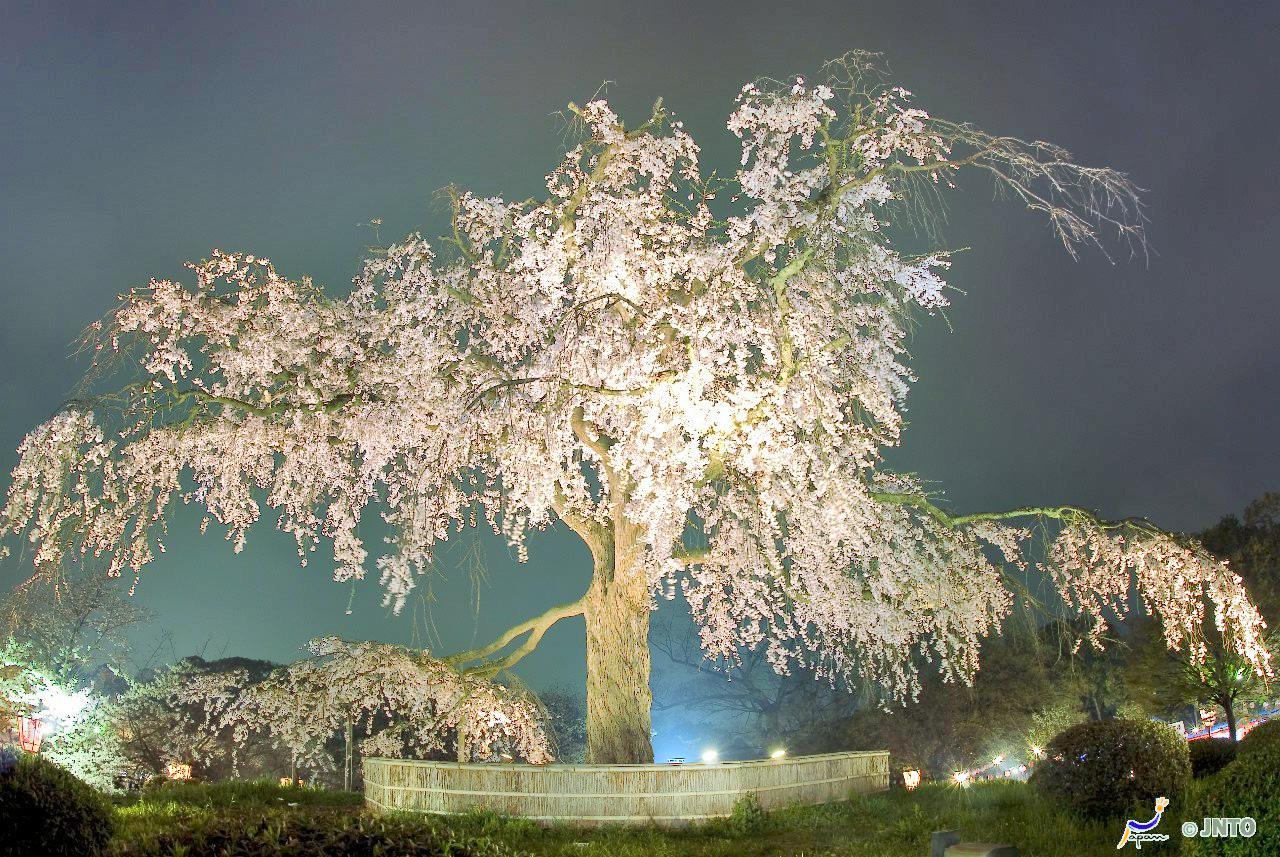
x=72 y=624
x=1220 y=677
x=566 y=718
x=378 y=698
x=696 y=375
x=955 y=726
x=748 y=705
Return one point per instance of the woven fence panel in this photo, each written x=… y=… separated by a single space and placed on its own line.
x=635 y=794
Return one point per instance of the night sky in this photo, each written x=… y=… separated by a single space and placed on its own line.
x=134 y=138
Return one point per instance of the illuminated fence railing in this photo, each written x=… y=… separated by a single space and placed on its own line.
x=588 y=794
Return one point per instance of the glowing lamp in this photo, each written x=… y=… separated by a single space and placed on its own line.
x=29 y=734
x=1037 y=752
x=777 y=754
x=961 y=778
x=177 y=771
x=710 y=757
x=911 y=779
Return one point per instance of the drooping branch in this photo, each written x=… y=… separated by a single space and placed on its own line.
x=536 y=628
x=1068 y=514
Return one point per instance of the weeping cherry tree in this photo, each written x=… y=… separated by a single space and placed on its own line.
x=697 y=375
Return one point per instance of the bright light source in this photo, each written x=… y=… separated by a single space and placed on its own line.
x=59 y=708
x=997 y=760
x=778 y=754
x=1037 y=752
x=910 y=779
x=710 y=757
x=961 y=778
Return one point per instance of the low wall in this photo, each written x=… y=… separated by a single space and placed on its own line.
x=590 y=794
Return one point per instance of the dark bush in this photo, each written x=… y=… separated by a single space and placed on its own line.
x=1264 y=735
x=1248 y=787
x=1210 y=755
x=45 y=810
x=316 y=836
x=1103 y=769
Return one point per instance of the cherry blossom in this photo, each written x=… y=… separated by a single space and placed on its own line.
x=698 y=376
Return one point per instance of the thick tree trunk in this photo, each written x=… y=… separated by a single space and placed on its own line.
x=1228 y=706
x=617 y=616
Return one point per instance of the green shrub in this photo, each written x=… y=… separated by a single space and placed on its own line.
x=1210 y=755
x=1249 y=786
x=1102 y=769
x=315 y=835
x=45 y=810
x=1264 y=735
x=747 y=817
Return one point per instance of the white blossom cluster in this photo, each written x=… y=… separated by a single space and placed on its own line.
x=404 y=703
x=617 y=352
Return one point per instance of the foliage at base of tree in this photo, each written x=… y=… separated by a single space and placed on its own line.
x=892 y=824
x=45 y=810
x=316 y=836
x=1249 y=786
x=1210 y=756
x=1264 y=736
x=1104 y=769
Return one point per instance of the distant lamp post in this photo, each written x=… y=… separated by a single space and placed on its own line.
x=177 y=771
x=29 y=734
x=911 y=779
x=961 y=779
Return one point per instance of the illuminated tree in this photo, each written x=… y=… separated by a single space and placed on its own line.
x=72 y=625
x=1223 y=677
x=405 y=703
x=696 y=376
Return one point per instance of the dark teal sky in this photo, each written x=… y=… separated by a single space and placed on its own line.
x=133 y=138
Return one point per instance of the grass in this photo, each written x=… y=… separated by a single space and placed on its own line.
x=195 y=820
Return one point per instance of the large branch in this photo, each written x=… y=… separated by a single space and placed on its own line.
x=1058 y=513
x=536 y=628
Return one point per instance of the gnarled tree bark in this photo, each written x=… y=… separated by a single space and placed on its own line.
x=616 y=609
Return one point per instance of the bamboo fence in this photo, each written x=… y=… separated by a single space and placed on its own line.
x=635 y=794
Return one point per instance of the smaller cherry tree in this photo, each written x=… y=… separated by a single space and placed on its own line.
x=405 y=703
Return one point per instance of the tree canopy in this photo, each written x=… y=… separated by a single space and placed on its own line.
x=697 y=373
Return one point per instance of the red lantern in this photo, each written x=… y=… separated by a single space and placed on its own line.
x=29 y=734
